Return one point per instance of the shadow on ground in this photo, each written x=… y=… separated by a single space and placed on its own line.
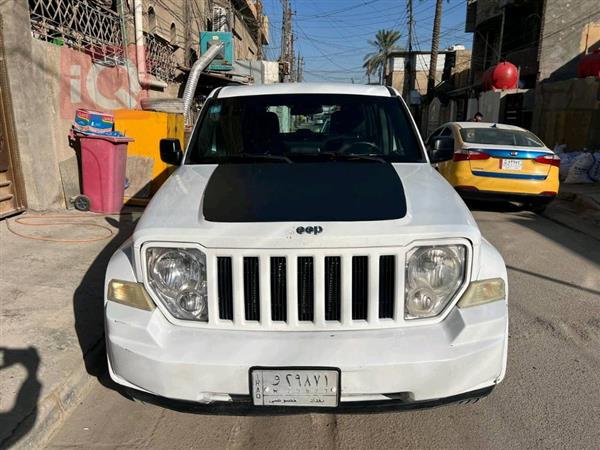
x=88 y=299
x=26 y=399
x=570 y=238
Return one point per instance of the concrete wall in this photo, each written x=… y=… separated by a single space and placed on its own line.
x=397 y=72
x=172 y=12
x=566 y=36
x=48 y=83
x=245 y=46
x=568 y=112
x=420 y=81
x=486 y=9
x=29 y=67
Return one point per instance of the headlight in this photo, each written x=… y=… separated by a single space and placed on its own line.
x=433 y=276
x=178 y=277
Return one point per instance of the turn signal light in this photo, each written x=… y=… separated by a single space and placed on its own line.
x=130 y=294
x=551 y=158
x=469 y=155
x=482 y=292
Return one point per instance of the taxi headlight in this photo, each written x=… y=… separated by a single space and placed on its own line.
x=178 y=277
x=434 y=274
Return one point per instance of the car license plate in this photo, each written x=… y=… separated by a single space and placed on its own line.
x=511 y=164
x=295 y=387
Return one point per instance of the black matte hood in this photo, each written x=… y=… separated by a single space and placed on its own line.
x=300 y=192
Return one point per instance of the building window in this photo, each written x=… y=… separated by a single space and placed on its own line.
x=151 y=20
x=173 y=35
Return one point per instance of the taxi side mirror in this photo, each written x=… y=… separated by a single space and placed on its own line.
x=441 y=149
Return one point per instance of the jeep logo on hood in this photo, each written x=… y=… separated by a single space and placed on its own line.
x=309 y=230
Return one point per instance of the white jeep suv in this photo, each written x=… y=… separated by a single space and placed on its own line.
x=305 y=253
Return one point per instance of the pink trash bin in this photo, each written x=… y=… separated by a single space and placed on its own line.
x=103 y=164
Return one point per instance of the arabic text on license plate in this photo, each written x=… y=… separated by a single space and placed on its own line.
x=291 y=387
x=512 y=164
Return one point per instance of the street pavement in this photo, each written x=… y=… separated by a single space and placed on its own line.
x=549 y=399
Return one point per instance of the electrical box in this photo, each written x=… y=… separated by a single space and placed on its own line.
x=224 y=60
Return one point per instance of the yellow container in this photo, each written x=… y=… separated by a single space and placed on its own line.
x=145 y=170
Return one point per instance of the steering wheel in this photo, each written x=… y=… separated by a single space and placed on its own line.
x=346 y=148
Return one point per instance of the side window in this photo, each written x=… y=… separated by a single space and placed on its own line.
x=446 y=132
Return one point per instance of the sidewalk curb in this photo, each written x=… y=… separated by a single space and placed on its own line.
x=53 y=409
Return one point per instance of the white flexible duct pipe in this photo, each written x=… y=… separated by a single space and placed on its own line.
x=140 y=50
x=192 y=82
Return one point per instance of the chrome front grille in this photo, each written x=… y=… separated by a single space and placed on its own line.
x=304 y=291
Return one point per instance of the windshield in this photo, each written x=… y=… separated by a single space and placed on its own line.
x=303 y=127
x=498 y=136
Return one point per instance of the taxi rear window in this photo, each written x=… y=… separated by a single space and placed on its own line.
x=497 y=136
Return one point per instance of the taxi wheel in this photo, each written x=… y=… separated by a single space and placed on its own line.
x=537 y=208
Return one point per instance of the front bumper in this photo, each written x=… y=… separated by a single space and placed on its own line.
x=464 y=353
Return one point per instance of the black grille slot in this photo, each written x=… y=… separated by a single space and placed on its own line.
x=333 y=291
x=306 y=291
x=278 y=289
x=387 y=284
x=225 y=288
x=251 y=289
x=360 y=287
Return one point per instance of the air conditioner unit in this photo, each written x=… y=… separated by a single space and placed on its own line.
x=225 y=58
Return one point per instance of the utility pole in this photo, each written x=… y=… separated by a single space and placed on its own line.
x=409 y=6
x=299 y=68
x=259 y=19
x=435 y=45
x=292 y=60
x=286 y=56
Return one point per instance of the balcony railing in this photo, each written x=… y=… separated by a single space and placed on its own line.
x=160 y=58
x=81 y=24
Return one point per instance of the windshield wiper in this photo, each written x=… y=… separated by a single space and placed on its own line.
x=266 y=156
x=334 y=156
x=360 y=157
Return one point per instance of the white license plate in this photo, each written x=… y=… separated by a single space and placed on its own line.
x=512 y=164
x=295 y=387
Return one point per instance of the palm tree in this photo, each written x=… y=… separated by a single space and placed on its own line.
x=372 y=66
x=435 y=45
x=376 y=61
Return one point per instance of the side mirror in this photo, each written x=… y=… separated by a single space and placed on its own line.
x=170 y=151
x=442 y=149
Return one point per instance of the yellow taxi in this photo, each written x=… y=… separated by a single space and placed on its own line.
x=494 y=161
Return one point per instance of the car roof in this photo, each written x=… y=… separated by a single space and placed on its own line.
x=501 y=126
x=304 y=88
